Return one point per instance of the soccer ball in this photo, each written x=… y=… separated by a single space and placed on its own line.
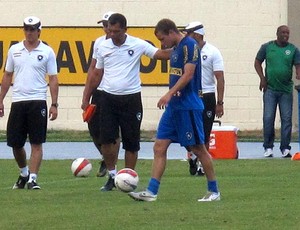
x=126 y=180
x=81 y=167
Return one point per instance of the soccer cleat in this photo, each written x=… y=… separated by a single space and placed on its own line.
x=268 y=152
x=102 y=170
x=33 y=185
x=110 y=184
x=21 y=182
x=142 y=196
x=193 y=166
x=211 y=196
x=286 y=153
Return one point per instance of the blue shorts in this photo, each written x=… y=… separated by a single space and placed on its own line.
x=182 y=126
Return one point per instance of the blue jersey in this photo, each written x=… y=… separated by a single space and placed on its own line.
x=187 y=98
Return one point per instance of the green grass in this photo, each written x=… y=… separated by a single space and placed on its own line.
x=256 y=194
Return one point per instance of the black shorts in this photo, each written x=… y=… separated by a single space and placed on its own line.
x=27 y=118
x=209 y=112
x=94 y=124
x=123 y=112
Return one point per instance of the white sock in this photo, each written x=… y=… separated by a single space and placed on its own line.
x=112 y=173
x=32 y=177
x=24 y=171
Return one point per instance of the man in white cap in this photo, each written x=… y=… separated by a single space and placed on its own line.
x=212 y=81
x=93 y=124
x=29 y=61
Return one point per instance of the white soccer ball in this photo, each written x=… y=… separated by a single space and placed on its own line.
x=126 y=180
x=81 y=167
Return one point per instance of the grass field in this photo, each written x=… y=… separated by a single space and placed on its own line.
x=256 y=194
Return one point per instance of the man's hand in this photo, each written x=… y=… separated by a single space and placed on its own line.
x=263 y=84
x=84 y=105
x=163 y=101
x=53 y=113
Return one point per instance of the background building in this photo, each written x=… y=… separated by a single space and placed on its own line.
x=236 y=27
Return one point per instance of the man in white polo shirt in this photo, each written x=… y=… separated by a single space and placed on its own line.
x=29 y=62
x=94 y=124
x=118 y=69
x=212 y=86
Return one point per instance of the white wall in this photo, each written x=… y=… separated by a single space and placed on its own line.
x=236 y=27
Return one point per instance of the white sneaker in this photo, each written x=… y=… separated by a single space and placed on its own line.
x=268 y=152
x=143 y=196
x=286 y=153
x=211 y=196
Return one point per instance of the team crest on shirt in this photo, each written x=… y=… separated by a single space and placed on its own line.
x=175 y=57
x=287 y=52
x=209 y=114
x=139 y=116
x=130 y=52
x=43 y=112
x=204 y=57
x=189 y=135
x=40 y=57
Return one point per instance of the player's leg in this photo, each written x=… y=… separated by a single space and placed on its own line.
x=209 y=112
x=195 y=141
x=160 y=158
x=158 y=168
x=209 y=101
x=109 y=133
x=165 y=133
x=131 y=116
x=213 y=193
x=94 y=130
x=269 y=113
x=37 y=130
x=286 y=112
x=16 y=136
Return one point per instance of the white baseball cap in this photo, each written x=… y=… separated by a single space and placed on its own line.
x=196 y=27
x=106 y=16
x=33 y=22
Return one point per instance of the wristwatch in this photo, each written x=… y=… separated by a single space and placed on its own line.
x=220 y=102
x=54 y=105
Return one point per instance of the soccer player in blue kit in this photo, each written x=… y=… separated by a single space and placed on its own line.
x=182 y=119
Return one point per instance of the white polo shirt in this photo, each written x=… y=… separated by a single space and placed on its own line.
x=122 y=65
x=30 y=69
x=95 y=50
x=96 y=45
x=211 y=60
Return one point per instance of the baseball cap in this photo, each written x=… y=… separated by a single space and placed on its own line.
x=32 y=22
x=196 y=27
x=106 y=16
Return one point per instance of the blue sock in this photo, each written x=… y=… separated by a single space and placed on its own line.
x=153 y=186
x=212 y=186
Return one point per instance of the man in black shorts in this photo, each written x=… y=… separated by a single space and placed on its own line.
x=94 y=124
x=120 y=100
x=29 y=62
